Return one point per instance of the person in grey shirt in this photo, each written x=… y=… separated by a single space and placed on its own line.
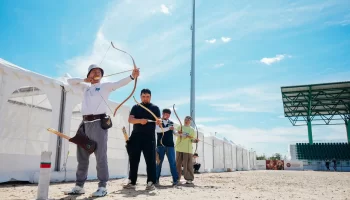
x=94 y=109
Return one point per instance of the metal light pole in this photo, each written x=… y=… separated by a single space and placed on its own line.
x=192 y=106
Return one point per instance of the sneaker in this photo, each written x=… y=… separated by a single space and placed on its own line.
x=129 y=186
x=101 y=192
x=188 y=182
x=75 y=191
x=176 y=183
x=150 y=186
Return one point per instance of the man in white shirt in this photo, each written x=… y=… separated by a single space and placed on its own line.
x=94 y=108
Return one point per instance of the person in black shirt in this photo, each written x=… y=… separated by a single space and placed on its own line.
x=334 y=164
x=327 y=164
x=168 y=148
x=196 y=165
x=143 y=139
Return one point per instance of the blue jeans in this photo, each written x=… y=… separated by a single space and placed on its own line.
x=170 y=153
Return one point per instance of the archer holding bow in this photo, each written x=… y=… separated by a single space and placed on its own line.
x=184 y=150
x=142 y=139
x=165 y=145
x=95 y=125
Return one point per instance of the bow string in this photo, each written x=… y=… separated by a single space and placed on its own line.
x=135 y=83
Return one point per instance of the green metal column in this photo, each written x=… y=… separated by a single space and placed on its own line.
x=347 y=125
x=309 y=131
x=309 y=127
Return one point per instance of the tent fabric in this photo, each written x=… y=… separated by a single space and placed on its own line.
x=30 y=103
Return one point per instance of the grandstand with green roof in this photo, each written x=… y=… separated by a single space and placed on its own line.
x=319 y=104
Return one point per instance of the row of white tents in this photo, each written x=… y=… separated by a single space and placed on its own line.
x=30 y=103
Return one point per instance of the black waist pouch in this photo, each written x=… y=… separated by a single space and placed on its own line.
x=106 y=122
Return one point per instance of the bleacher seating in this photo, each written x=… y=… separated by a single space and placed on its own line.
x=323 y=151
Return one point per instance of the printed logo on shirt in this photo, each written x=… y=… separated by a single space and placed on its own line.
x=97 y=89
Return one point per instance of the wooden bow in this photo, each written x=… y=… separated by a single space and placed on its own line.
x=197 y=135
x=155 y=117
x=133 y=90
x=179 y=121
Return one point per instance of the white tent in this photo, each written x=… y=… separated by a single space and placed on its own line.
x=30 y=103
x=245 y=159
x=219 y=159
x=234 y=156
x=208 y=154
x=228 y=164
x=252 y=159
x=239 y=158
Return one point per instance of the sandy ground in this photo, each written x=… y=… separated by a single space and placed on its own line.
x=270 y=185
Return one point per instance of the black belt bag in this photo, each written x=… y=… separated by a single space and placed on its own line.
x=106 y=121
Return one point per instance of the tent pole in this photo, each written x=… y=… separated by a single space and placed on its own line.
x=60 y=129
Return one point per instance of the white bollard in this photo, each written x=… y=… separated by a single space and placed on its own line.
x=45 y=175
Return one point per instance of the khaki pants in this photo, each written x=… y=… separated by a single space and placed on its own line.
x=185 y=160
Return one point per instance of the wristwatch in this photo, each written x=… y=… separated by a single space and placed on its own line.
x=132 y=78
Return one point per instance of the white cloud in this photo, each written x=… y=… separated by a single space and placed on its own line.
x=164 y=9
x=269 y=61
x=262 y=93
x=268 y=16
x=225 y=39
x=168 y=45
x=219 y=65
x=209 y=119
x=245 y=99
x=237 y=107
x=344 y=22
x=212 y=41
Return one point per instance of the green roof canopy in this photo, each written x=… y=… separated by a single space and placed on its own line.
x=328 y=103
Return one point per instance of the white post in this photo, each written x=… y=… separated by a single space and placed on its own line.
x=44 y=177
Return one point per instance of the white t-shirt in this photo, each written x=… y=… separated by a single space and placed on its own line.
x=96 y=95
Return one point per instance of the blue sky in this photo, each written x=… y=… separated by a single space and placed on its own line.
x=245 y=51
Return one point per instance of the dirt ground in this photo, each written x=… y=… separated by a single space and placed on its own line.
x=279 y=185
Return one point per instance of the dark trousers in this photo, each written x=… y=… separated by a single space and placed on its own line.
x=137 y=144
x=196 y=166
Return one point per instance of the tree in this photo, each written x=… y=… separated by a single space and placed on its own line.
x=262 y=157
x=276 y=156
x=285 y=157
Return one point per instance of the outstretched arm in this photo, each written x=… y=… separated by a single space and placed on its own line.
x=112 y=86
x=77 y=82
